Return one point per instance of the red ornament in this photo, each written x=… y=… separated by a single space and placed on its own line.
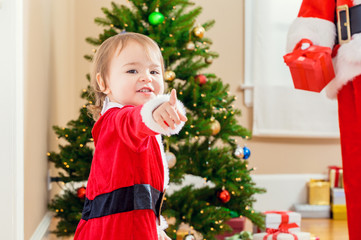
x=201 y=79
x=81 y=192
x=224 y=196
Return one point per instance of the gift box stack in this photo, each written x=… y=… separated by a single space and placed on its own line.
x=282 y=225
x=318 y=200
x=337 y=193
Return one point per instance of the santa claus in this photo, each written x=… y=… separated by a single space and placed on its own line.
x=337 y=24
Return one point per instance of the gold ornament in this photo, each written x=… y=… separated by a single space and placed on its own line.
x=215 y=127
x=209 y=60
x=181 y=233
x=190 y=46
x=198 y=31
x=171 y=159
x=169 y=75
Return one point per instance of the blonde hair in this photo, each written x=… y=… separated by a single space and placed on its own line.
x=102 y=59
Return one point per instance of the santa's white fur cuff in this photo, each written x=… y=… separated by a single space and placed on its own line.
x=321 y=32
x=147 y=115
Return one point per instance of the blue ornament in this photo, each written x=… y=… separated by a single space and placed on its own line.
x=246 y=152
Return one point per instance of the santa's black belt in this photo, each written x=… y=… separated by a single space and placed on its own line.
x=348 y=22
x=136 y=197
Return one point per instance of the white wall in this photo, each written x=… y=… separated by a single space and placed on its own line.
x=11 y=120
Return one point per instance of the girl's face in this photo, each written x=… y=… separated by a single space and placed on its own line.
x=134 y=77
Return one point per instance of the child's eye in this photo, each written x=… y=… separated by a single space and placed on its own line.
x=132 y=71
x=154 y=72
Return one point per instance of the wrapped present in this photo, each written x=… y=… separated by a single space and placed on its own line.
x=319 y=192
x=282 y=236
x=338 y=196
x=339 y=212
x=277 y=219
x=244 y=235
x=311 y=68
x=237 y=225
x=313 y=211
x=336 y=176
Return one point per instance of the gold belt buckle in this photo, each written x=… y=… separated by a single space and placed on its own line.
x=160 y=206
x=346 y=24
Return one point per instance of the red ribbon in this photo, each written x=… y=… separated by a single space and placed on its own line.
x=337 y=175
x=283 y=227
x=309 y=52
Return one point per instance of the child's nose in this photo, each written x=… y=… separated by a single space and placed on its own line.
x=146 y=78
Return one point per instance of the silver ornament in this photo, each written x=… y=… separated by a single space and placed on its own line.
x=209 y=60
x=189 y=237
x=239 y=152
x=190 y=46
x=171 y=159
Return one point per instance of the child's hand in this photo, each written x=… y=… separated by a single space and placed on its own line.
x=167 y=113
x=163 y=236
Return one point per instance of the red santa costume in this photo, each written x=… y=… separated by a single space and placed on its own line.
x=128 y=176
x=317 y=21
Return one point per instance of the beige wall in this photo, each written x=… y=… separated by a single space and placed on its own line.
x=37 y=104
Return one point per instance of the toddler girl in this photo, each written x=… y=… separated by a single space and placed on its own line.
x=129 y=171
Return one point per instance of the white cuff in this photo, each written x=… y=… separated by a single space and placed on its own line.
x=163 y=224
x=347 y=65
x=321 y=32
x=147 y=115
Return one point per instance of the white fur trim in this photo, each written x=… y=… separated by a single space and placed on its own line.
x=356 y=2
x=147 y=115
x=107 y=104
x=165 y=162
x=321 y=32
x=163 y=225
x=347 y=65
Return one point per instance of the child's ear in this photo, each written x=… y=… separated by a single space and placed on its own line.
x=101 y=84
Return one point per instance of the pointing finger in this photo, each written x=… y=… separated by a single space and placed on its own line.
x=173 y=97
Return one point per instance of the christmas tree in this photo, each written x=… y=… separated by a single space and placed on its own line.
x=205 y=147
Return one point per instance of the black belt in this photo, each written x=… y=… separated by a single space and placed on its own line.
x=136 y=197
x=348 y=22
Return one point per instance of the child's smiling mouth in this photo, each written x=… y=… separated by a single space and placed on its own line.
x=146 y=90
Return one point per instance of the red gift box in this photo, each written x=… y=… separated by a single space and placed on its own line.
x=311 y=68
x=335 y=175
x=237 y=225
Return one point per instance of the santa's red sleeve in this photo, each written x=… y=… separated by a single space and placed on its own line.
x=315 y=22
